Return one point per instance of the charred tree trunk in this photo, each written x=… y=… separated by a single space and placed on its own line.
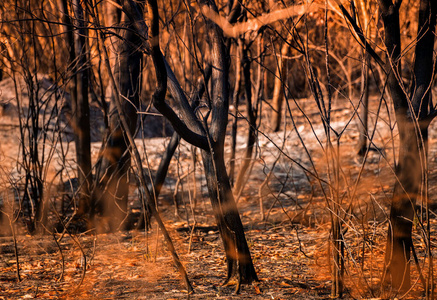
x=211 y=140
x=81 y=111
x=112 y=186
x=413 y=119
x=238 y=257
x=228 y=219
x=231 y=230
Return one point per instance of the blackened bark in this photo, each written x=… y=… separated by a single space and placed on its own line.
x=113 y=187
x=238 y=256
x=174 y=142
x=413 y=135
x=81 y=111
x=189 y=128
x=424 y=64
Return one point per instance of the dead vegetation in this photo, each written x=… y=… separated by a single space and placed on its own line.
x=298 y=156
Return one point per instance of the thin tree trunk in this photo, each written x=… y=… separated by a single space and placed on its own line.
x=364 y=101
x=252 y=100
x=363 y=108
x=278 y=90
x=235 y=102
x=81 y=111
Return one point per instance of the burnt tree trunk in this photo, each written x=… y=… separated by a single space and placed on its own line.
x=413 y=119
x=238 y=258
x=81 y=110
x=225 y=209
x=112 y=186
x=210 y=138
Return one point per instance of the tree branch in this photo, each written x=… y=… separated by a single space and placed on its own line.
x=254 y=24
x=161 y=173
x=361 y=36
x=161 y=67
x=187 y=112
x=188 y=127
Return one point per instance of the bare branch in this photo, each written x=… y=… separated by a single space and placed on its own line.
x=255 y=24
x=361 y=36
x=189 y=129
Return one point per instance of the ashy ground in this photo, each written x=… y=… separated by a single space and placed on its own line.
x=289 y=244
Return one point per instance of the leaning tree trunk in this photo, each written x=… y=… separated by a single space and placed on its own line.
x=161 y=173
x=112 y=187
x=413 y=119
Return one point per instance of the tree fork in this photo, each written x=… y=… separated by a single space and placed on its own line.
x=211 y=142
x=161 y=173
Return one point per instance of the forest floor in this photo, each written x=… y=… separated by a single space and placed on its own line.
x=289 y=245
